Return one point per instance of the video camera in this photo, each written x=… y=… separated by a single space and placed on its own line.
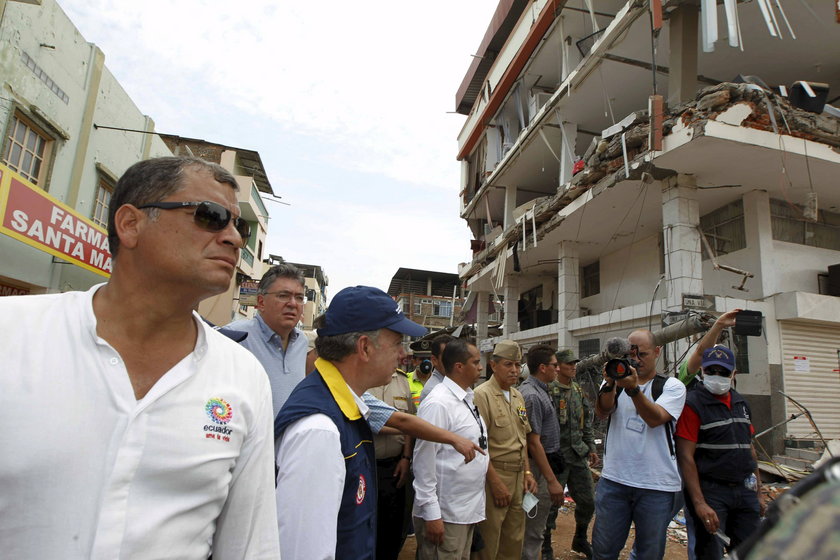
x=425 y=366
x=616 y=356
x=620 y=362
x=619 y=368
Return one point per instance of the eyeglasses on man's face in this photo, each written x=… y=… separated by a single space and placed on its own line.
x=286 y=297
x=209 y=216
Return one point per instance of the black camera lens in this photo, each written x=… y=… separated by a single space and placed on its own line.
x=425 y=367
x=618 y=368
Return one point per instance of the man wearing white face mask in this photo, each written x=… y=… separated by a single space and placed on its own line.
x=717 y=458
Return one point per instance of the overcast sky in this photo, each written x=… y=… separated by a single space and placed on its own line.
x=346 y=102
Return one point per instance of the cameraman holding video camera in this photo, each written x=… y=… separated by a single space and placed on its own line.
x=640 y=475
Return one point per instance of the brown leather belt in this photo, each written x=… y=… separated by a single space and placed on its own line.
x=508 y=466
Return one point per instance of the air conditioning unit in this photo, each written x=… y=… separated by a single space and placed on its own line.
x=585 y=312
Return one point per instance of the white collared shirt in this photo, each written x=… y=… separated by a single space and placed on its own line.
x=445 y=487
x=310 y=482
x=88 y=471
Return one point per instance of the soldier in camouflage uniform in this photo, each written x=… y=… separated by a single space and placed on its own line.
x=577 y=443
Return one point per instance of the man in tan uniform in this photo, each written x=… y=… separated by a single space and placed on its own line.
x=508 y=475
x=393 y=470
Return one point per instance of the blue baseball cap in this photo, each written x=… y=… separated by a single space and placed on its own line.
x=363 y=308
x=719 y=356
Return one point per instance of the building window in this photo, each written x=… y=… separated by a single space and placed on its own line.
x=443 y=308
x=588 y=347
x=742 y=357
x=591 y=279
x=724 y=229
x=27 y=149
x=789 y=224
x=103 y=199
x=417 y=308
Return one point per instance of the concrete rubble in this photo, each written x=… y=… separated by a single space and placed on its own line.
x=737 y=104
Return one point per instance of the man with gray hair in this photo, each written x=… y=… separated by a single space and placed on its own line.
x=273 y=336
x=326 y=467
x=132 y=428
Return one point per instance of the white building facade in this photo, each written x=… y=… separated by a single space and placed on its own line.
x=594 y=177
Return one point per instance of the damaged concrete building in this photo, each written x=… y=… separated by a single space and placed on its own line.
x=628 y=163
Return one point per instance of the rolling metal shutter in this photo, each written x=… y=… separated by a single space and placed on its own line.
x=815 y=347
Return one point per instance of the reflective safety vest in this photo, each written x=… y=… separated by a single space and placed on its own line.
x=724 y=450
x=416 y=387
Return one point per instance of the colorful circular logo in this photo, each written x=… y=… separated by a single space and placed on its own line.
x=361 y=490
x=219 y=411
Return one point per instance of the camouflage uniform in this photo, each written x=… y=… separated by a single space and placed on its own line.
x=574 y=413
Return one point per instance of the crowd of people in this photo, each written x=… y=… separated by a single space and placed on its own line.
x=144 y=432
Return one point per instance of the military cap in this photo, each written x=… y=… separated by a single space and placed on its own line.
x=566 y=356
x=509 y=350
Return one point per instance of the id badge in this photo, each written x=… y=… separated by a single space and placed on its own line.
x=636 y=424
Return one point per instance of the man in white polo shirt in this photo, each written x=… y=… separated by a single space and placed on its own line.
x=131 y=428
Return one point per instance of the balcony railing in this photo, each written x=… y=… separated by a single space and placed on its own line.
x=255 y=194
x=247 y=256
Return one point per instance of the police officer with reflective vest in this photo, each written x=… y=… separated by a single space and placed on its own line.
x=717 y=458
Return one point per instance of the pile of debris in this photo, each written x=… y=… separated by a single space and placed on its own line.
x=619 y=153
x=741 y=104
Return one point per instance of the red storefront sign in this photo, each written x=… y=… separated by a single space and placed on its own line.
x=29 y=214
x=6 y=290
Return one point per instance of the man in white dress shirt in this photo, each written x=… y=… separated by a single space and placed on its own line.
x=131 y=428
x=449 y=495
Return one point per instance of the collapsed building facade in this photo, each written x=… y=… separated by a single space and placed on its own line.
x=628 y=163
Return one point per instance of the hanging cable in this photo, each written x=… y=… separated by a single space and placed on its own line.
x=653 y=36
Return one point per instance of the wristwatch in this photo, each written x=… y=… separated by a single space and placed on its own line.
x=633 y=392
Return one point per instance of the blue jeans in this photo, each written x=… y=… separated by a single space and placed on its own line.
x=679 y=503
x=616 y=506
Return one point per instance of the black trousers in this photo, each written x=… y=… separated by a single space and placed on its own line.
x=738 y=511
x=391 y=515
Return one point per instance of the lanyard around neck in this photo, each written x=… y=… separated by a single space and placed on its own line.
x=482 y=440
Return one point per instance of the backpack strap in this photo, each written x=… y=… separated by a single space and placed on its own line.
x=656 y=392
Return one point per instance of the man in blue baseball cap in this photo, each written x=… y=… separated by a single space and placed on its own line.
x=717 y=459
x=326 y=479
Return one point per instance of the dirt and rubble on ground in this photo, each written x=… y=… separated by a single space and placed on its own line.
x=561 y=539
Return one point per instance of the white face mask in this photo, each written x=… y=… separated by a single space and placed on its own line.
x=717 y=384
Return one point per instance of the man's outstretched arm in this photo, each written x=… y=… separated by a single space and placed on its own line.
x=419 y=428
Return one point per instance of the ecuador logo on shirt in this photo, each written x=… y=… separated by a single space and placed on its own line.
x=220 y=413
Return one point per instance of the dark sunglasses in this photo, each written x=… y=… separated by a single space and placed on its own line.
x=210 y=216
x=717 y=371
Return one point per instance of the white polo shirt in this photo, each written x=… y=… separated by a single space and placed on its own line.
x=88 y=471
